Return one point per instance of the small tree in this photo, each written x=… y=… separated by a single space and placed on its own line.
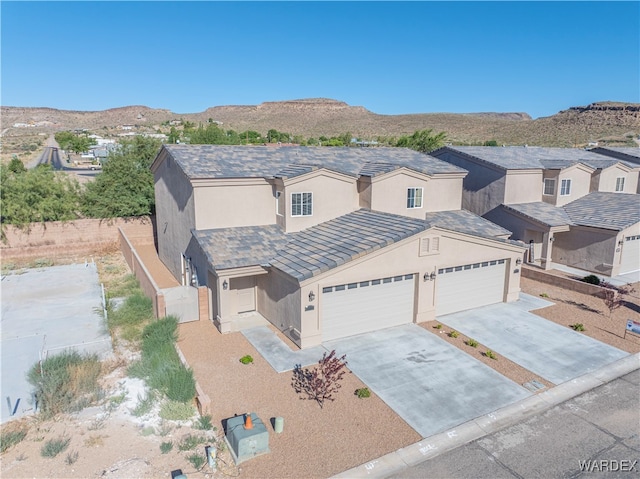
x=321 y=382
x=612 y=300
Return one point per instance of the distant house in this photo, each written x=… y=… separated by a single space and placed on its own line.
x=548 y=198
x=327 y=242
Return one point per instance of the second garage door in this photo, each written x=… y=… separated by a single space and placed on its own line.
x=630 y=259
x=365 y=306
x=469 y=286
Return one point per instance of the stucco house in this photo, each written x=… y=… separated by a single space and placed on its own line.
x=570 y=206
x=327 y=242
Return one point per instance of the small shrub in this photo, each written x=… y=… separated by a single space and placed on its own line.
x=321 y=382
x=490 y=354
x=71 y=458
x=42 y=263
x=577 y=327
x=453 y=334
x=246 y=359
x=438 y=326
x=144 y=405
x=544 y=295
x=176 y=411
x=591 y=279
x=196 y=460
x=53 y=447
x=11 y=437
x=363 y=393
x=472 y=342
x=204 y=423
x=181 y=384
x=166 y=447
x=190 y=442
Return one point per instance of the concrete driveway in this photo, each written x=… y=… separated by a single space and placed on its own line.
x=44 y=312
x=432 y=385
x=556 y=353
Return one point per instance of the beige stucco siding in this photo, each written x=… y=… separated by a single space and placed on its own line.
x=609 y=176
x=236 y=204
x=174 y=214
x=590 y=249
x=523 y=186
x=580 y=184
x=333 y=196
x=278 y=299
x=404 y=258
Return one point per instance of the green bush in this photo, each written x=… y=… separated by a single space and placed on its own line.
x=66 y=382
x=453 y=334
x=176 y=411
x=166 y=447
x=204 y=423
x=144 y=405
x=472 y=342
x=544 y=295
x=181 y=385
x=131 y=316
x=490 y=354
x=591 y=279
x=438 y=326
x=363 y=393
x=53 y=447
x=577 y=327
x=246 y=359
x=191 y=442
x=196 y=460
x=11 y=437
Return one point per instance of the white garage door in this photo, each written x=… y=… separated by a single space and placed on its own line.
x=630 y=258
x=365 y=306
x=469 y=286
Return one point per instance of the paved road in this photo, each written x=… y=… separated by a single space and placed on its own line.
x=600 y=427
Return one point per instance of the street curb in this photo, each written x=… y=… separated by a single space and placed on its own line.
x=469 y=431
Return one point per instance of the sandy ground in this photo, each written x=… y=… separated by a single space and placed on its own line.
x=315 y=442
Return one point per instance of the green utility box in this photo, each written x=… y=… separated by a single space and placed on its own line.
x=245 y=443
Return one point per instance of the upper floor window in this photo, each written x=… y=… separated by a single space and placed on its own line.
x=549 y=186
x=301 y=204
x=414 y=198
x=565 y=187
x=620 y=183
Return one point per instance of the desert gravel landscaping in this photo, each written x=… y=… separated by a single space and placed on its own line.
x=315 y=442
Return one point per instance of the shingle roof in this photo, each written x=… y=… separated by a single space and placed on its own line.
x=544 y=213
x=242 y=246
x=631 y=154
x=613 y=211
x=218 y=161
x=464 y=221
x=533 y=157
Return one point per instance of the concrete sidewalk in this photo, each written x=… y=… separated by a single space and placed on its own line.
x=433 y=446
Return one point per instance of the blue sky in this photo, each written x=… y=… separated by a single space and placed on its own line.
x=390 y=57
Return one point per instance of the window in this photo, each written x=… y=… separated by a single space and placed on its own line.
x=565 y=188
x=301 y=204
x=414 y=198
x=549 y=186
x=620 y=183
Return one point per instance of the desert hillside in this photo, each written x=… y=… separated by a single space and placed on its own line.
x=611 y=123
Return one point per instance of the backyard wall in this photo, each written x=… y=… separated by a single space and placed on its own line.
x=563 y=282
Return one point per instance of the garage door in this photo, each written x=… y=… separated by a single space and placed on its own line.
x=469 y=286
x=630 y=258
x=365 y=306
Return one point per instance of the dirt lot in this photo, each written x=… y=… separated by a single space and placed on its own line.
x=315 y=443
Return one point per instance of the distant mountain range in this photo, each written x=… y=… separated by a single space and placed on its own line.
x=612 y=123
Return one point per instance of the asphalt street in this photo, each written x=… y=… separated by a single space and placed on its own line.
x=595 y=434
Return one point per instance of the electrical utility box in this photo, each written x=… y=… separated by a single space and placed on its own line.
x=245 y=443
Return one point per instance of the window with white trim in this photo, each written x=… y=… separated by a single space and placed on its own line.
x=301 y=204
x=414 y=198
x=620 y=183
x=549 y=187
x=565 y=187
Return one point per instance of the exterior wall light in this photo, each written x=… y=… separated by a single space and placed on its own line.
x=311 y=296
x=426 y=277
x=433 y=276
x=552 y=239
x=225 y=284
x=519 y=261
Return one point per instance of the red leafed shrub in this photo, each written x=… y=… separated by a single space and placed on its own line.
x=321 y=382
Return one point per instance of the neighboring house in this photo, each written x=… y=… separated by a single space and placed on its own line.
x=627 y=154
x=327 y=242
x=537 y=194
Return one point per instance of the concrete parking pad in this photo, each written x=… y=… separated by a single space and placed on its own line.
x=277 y=353
x=431 y=384
x=554 y=352
x=44 y=312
